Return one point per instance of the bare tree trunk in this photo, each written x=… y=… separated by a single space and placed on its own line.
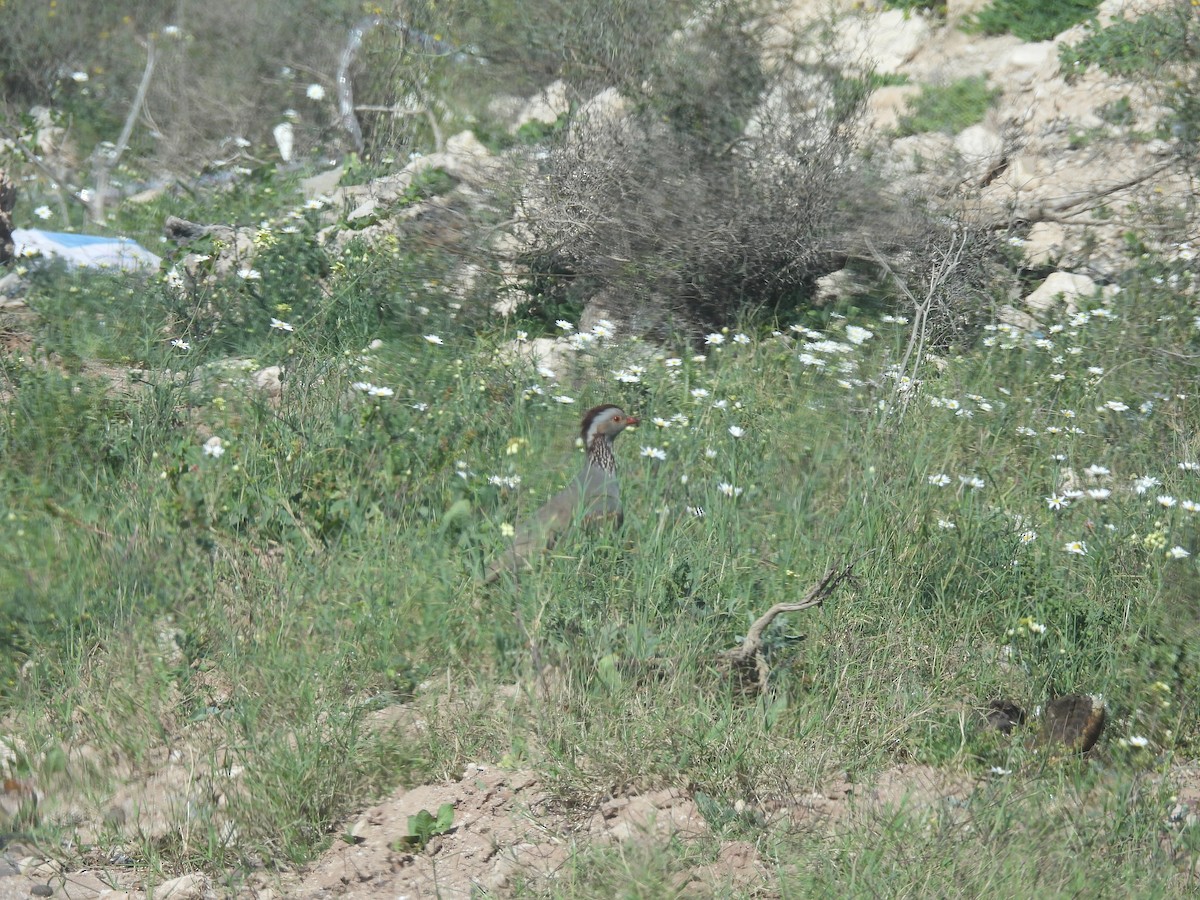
x=104 y=160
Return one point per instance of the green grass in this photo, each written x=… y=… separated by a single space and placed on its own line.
x=935 y=7
x=260 y=607
x=949 y=108
x=1031 y=20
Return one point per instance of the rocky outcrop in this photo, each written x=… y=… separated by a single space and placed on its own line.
x=1050 y=156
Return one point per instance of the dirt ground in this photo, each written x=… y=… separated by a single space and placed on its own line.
x=507 y=833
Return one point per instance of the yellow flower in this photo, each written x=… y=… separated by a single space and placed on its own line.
x=1155 y=540
x=506 y=530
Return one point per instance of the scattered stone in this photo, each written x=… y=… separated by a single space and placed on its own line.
x=11 y=285
x=1065 y=286
x=268 y=381
x=1007 y=315
x=185 y=887
x=550 y=353
x=981 y=149
x=888 y=103
x=661 y=815
x=1044 y=244
x=957 y=10
x=597 y=116
x=546 y=107
x=42 y=890
x=920 y=153
x=147 y=196
x=19 y=800
x=465 y=159
x=1020 y=174
x=890 y=38
x=322 y=184
x=505 y=107
x=37 y=867
x=836 y=286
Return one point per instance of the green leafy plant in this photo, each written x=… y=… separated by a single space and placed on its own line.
x=1117 y=112
x=1032 y=20
x=949 y=108
x=936 y=7
x=1160 y=50
x=425 y=826
x=1125 y=47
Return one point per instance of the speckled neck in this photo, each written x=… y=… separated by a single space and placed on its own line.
x=600 y=454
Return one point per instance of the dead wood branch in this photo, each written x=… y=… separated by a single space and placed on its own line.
x=1070 y=210
x=749 y=661
x=946 y=261
x=181 y=231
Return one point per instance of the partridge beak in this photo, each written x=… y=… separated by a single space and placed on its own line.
x=634 y=421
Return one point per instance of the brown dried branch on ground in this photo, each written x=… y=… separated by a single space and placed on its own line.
x=748 y=662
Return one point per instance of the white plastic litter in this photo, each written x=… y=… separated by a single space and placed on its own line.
x=87 y=250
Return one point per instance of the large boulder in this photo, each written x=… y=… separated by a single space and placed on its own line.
x=545 y=107
x=889 y=39
x=1068 y=287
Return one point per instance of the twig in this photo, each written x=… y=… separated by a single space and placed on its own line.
x=946 y=262
x=398 y=111
x=1063 y=205
x=1064 y=212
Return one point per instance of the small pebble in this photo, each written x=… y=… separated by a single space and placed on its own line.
x=42 y=890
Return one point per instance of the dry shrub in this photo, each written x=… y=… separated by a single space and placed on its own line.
x=719 y=185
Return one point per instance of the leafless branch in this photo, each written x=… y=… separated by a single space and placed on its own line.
x=749 y=660
x=946 y=261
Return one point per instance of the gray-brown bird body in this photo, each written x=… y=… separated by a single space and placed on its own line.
x=593 y=494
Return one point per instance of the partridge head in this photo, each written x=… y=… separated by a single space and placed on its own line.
x=593 y=494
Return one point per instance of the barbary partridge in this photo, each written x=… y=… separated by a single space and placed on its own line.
x=1072 y=722
x=593 y=494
